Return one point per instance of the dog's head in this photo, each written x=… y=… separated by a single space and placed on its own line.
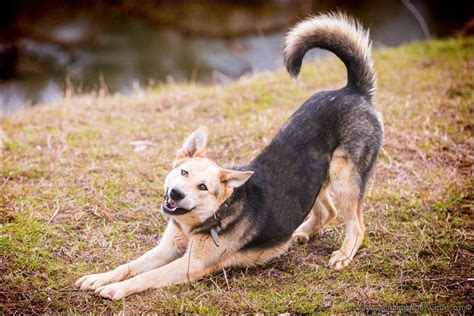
x=197 y=186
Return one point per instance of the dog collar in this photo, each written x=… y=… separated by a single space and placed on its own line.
x=212 y=225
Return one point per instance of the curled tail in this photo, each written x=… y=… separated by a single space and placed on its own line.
x=339 y=34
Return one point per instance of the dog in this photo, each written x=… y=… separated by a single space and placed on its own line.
x=316 y=166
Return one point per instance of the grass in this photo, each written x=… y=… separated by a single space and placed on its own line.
x=76 y=198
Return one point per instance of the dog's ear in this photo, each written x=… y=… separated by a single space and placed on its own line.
x=194 y=145
x=233 y=178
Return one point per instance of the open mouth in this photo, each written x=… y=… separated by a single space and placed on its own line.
x=171 y=204
x=171 y=207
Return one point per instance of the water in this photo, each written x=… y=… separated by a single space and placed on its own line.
x=125 y=49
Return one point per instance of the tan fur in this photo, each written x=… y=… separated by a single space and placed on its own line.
x=255 y=257
x=343 y=187
x=322 y=213
x=200 y=170
x=181 y=255
x=194 y=146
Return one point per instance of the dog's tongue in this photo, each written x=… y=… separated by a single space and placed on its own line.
x=172 y=204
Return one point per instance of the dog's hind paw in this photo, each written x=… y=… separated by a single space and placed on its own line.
x=339 y=260
x=300 y=237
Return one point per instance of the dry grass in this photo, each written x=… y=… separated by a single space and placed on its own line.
x=76 y=198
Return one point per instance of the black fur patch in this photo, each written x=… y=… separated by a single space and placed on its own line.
x=289 y=173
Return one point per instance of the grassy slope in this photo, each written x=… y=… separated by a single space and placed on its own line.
x=75 y=160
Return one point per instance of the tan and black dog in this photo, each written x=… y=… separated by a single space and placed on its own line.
x=318 y=164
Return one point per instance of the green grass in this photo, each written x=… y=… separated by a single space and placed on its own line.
x=76 y=198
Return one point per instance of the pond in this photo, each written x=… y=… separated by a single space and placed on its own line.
x=47 y=47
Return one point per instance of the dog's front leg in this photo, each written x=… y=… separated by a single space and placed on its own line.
x=172 y=245
x=199 y=260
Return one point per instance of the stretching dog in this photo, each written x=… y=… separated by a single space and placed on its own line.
x=247 y=215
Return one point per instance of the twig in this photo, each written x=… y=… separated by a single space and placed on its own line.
x=6 y=180
x=55 y=213
x=444 y=252
x=70 y=290
x=217 y=286
x=136 y=227
x=387 y=231
x=226 y=280
x=201 y=295
x=352 y=251
x=189 y=260
x=390 y=161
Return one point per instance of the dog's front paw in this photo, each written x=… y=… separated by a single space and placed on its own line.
x=113 y=291
x=94 y=281
x=339 y=260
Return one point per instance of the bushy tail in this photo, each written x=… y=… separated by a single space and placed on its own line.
x=339 y=34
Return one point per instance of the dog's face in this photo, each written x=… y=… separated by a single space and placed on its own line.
x=196 y=186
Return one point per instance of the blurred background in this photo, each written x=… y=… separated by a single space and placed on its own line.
x=124 y=46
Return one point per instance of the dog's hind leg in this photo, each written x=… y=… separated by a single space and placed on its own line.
x=322 y=213
x=344 y=182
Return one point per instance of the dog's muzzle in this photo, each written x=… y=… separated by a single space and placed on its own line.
x=171 y=207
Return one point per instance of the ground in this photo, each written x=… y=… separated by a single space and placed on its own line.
x=76 y=198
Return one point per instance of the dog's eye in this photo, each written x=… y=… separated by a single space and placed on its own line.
x=184 y=173
x=202 y=187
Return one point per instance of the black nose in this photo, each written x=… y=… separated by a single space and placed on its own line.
x=176 y=194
